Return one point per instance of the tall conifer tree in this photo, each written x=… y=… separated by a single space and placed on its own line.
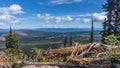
x=111 y=25
x=104 y=32
x=92 y=32
x=109 y=7
x=12 y=41
x=71 y=41
x=65 y=41
x=116 y=18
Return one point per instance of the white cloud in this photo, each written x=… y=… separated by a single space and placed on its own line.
x=65 y=1
x=68 y=18
x=56 y=19
x=98 y=17
x=9 y=18
x=86 y=20
x=38 y=15
x=12 y=9
x=1 y=24
x=77 y=19
x=82 y=15
x=7 y=14
x=46 y=17
x=60 y=19
x=83 y=20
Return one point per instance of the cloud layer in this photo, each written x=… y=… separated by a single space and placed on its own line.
x=1 y=24
x=12 y=9
x=7 y=14
x=56 y=19
x=86 y=18
x=9 y=18
x=98 y=17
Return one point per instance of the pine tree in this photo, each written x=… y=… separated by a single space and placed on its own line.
x=112 y=23
x=65 y=41
x=12 y=41
x=10 y=32
x=116 y=18
x=104 y=32
x=71 y=41
x=109 y=7
x=9 y=39
x=17 y=43
x=108 y=27
x=92 y=32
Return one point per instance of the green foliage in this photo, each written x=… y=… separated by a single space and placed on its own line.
x=92 y=32
x=116 y=18
x=109 y=8
x=111 y=39
x=111 y=25
x=12 y=41
x=65 y=41
x=114 y=54
x=36 y=55
x=71 y=41
x=15 y=55
x=13 y=49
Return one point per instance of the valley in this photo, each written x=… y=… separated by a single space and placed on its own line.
x=53 y=38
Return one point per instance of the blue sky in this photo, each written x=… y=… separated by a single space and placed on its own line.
x=25 y=14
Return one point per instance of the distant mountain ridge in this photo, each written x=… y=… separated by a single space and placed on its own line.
x=3 y=30
x=44 y=38
x=63 y=30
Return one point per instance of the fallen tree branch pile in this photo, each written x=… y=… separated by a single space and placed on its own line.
x=80 y=53
x=81 y=50
x=63 y=51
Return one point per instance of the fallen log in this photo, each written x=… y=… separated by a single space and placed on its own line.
x=88 y=49
x=45 y=63
x=98 y=55
x=72 y=54
x=87 y=61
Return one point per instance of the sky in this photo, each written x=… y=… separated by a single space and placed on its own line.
x=27 y=14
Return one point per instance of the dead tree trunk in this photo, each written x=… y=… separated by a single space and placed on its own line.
x=73 y=52
x=87 y=50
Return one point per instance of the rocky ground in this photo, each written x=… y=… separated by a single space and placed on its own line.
x=3 y=61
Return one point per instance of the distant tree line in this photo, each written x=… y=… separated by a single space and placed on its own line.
x=66 y=43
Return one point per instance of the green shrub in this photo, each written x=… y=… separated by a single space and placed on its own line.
x=36 y=55
x=111 y=39
x=115 y=54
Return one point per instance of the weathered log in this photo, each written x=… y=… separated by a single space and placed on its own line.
x=72 y=54
x=88 y=49
x=98 y=55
